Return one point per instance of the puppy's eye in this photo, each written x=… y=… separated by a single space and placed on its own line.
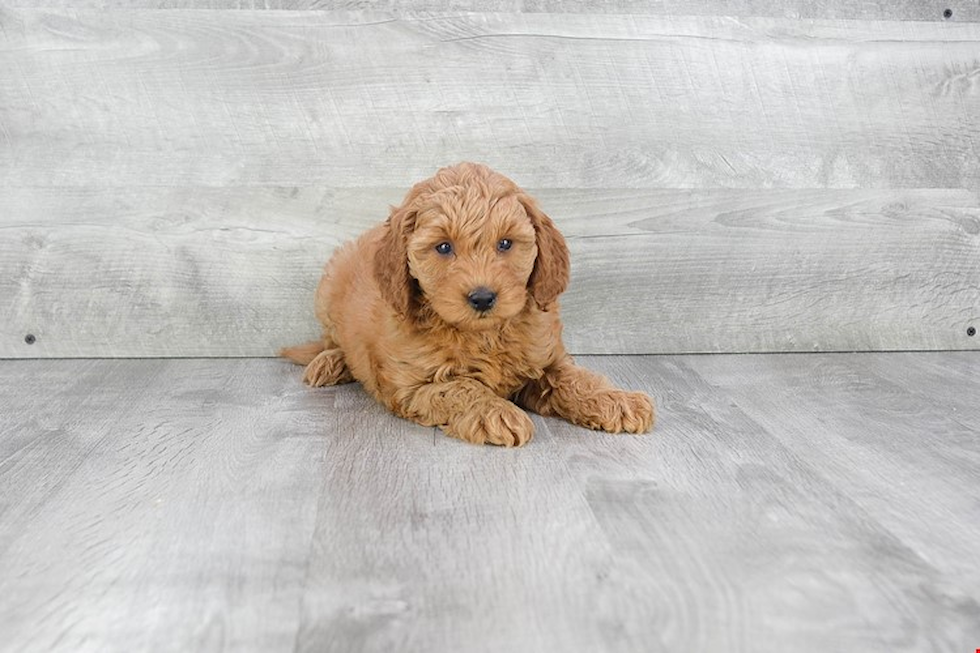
x=444 y=248
x=504 y=245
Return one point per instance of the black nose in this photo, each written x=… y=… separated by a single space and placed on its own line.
x=482 y=299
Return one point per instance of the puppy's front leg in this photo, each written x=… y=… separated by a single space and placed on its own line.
x=587 y=399
x=468 y=410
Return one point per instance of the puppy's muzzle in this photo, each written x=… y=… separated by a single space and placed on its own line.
x=482 y=299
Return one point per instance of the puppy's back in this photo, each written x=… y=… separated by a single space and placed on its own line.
x=346 y=296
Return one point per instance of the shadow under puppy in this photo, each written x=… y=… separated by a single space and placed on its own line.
x=448 y=314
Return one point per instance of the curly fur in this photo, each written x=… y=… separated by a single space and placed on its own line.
x=396 y=318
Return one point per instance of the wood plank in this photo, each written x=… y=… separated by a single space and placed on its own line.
x=794 y=9
x=119 y=98
x=947 y=381
x=425 y=543
x=151 y=505
x=701 y=537
x=885 y=430
x=160 y=271
x=963 y=10
x=728 y=538
x=781 y=271
x=204 y=505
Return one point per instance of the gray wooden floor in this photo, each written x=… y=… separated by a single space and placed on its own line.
x=820 y=502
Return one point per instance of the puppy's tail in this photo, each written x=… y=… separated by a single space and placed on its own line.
x=303 y=354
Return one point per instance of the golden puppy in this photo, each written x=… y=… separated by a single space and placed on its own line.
x=448 y=314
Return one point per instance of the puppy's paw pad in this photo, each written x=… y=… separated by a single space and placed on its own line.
x=328 y=368
x=500 y=423
x=621 y=411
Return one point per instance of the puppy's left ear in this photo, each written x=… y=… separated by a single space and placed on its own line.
x=549 y=278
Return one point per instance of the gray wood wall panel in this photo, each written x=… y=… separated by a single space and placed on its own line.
x=118 y=98
x=171 y=181
x=962 y=10
x=159 y=271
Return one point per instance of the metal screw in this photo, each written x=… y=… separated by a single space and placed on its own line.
x=971 y=331
x=30 y=339
x=947 y=13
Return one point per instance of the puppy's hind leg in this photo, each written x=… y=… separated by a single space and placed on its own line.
x=327 y=368
x=303 y=354
x=324 y=362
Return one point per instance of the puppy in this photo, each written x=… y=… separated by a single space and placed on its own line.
x=448 y=315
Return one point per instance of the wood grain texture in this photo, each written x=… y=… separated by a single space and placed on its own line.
x=963 y=10
x=532 y=547
x=185 y=98
x=806 y=503
x=817 y=405
x=697 y=512
x=158 y=271
x=151 y=505
x=171 y=181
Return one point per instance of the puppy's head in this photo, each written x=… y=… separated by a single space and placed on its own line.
x=473 y=247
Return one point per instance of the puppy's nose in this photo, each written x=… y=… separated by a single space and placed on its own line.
x=482 y=299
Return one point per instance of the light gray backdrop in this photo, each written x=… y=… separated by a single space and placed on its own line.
x=731 y=176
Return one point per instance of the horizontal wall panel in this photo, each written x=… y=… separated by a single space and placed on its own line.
x=353 y=99
x=197 y=271
x=961 y=10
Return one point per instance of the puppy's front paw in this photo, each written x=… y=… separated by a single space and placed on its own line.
x=618 y=411
x=499 y=422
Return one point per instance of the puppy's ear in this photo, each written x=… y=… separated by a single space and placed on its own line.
x=549 y=278
x=391 y=260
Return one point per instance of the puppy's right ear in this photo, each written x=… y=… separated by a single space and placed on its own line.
x=391 y=261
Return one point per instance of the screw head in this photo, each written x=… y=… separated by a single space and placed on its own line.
x=947 y=13
x=971 y=331
x=30 y=339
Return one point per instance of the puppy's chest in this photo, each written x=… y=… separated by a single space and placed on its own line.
x=503 y=362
